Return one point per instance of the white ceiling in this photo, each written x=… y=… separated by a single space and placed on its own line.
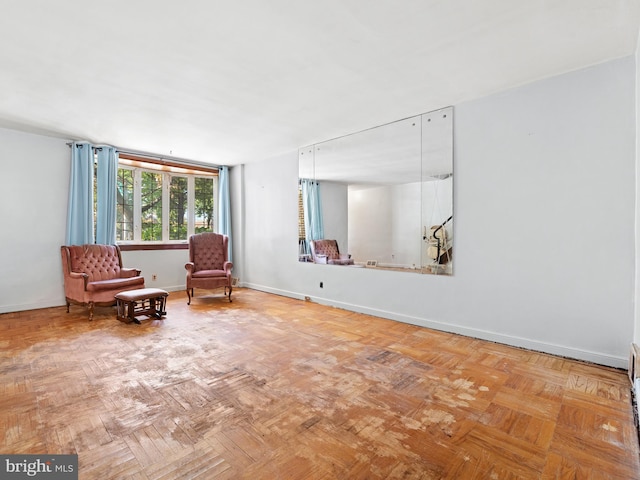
x=228 y=82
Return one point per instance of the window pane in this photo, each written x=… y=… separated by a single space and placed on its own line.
x=124 y=213
x=178 y=208
x=151 y=203
x=204 y=205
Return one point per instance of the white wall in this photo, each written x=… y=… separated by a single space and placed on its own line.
x=166 y=265
x=544 y=222
x=33 y=213
x=270 y=226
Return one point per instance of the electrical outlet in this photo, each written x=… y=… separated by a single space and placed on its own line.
x=154 y=277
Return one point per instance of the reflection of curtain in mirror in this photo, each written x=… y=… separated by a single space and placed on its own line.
x=313 y=225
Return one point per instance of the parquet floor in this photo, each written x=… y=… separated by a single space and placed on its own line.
x=269 y=387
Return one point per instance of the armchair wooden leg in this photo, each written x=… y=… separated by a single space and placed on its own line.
x=91 y=305
x=230 y=290
x=67 y=306
x=189 y=293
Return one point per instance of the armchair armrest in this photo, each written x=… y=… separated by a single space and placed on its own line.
x=321 y=258
x=189 y=266
x=227 y=267
x=77 y=279
x=75 y=285
x=129 y=272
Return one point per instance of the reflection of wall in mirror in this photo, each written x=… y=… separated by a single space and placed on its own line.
x=369 y=232
x=334 y=213
x=406 y=239
x=383 y=225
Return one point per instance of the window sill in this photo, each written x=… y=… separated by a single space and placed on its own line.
x=128 y=247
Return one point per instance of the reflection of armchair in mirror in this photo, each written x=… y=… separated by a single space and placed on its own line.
x=327 y=252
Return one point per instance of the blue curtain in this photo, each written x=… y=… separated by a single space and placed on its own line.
x=224 y=206
x=80 y=209
x=312 y=205
x=107 y=195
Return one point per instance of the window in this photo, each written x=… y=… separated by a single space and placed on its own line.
x=164 y=202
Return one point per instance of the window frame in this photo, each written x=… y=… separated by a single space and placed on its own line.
x=167 y=169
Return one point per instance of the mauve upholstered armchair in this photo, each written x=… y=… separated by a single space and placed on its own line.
x=93 y=275
x=209 y=266
x=326 y=251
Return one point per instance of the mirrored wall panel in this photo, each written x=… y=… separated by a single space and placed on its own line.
x=381 y=198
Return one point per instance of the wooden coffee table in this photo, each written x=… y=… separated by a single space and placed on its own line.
x=144 y=301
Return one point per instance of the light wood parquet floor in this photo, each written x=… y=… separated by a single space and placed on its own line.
x=269 y=387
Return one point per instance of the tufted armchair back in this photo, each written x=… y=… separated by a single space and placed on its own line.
x=99 y=262
x=208 y=251
x=329 y=248
x=326 y=251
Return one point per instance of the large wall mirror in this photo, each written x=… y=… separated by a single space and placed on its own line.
x=381 y=198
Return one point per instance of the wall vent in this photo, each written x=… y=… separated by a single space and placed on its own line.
x=372 y=263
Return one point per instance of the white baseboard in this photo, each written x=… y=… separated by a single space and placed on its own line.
x=554 y=349
x=174 y=288
x=277 y=291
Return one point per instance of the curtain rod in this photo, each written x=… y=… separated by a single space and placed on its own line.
x=152 y=156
